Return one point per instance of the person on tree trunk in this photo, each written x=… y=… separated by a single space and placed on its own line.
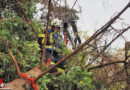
x=53 y=46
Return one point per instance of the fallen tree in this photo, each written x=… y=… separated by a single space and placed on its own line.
x=38 y=73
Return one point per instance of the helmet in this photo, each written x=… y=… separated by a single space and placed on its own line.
x=56 y=22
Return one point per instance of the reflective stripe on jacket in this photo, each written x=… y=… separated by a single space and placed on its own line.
x=52 y=40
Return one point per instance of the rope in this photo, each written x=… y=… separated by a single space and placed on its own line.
x=65 y=38
x=48 y=62
x=31 y=82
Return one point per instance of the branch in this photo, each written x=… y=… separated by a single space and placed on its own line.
x=119 y=32
x=127 y=62
x=107 y=46
x=11 y=55
x=14 y=60
x=100 y=66
x=107 y=25
x=46 y=34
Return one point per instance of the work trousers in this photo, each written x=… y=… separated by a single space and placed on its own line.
x=54 y=57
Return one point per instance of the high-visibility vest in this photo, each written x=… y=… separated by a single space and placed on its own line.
x=50 y=41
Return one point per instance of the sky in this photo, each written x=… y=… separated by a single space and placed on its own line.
x=95 y=13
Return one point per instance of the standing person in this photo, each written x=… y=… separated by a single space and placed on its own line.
x=53 y=45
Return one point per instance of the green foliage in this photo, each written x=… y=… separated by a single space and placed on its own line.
x=42 y=83
x=64 y=49
x=75 y=77
x=1 y=71
x=17 y=35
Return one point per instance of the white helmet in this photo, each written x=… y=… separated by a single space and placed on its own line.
x=56 y=22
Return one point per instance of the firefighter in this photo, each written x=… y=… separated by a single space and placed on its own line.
x=53 y=45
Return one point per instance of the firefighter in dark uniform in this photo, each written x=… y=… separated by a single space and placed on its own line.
x=53 y=46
